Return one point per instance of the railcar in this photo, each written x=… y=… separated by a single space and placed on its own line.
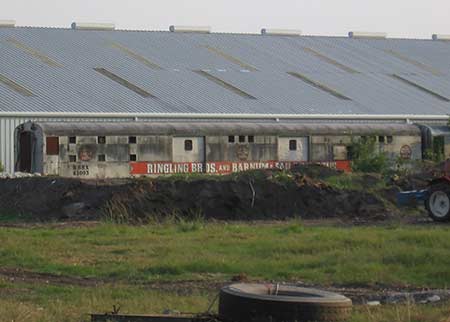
x=126 y=149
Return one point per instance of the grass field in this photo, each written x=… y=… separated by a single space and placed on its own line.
x=110 y=264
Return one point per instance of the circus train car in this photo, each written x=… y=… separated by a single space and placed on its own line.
x=117 y=150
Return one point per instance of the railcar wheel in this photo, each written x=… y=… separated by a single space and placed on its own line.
x=438 y=203
x=281 y=303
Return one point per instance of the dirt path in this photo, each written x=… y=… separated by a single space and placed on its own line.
x=25 y=276
x=358 y=293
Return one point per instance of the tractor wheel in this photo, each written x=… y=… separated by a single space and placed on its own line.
x=438 y=202
x=281 y=303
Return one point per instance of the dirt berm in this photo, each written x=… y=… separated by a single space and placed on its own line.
x=248 y=196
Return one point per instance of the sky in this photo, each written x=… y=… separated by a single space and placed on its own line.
x=399 y=18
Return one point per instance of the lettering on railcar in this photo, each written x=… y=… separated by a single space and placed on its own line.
x=80 y=170
x=158 y=168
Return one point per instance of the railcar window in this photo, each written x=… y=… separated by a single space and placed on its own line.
x=292 y=145
x=72 y=139
x=101 y=158
x=381 y=139
x=231 y=139
x=251 y=139
x=132 y=140
x=133 y=157
x=188 y=145
x=241 y=138
x=72 y=158
x=101 y=139
x=52 y=145
x=390 y=139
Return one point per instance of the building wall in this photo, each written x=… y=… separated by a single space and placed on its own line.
x=7 y=126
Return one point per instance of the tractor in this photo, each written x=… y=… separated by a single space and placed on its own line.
x=436 y=197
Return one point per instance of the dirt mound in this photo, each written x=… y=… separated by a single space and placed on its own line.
x=316 y=171
x=259 y=195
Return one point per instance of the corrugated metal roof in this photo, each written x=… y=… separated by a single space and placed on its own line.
x=360 y=69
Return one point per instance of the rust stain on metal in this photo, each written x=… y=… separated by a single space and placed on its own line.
x=420 y=87
x=123 y=82
x=15 y=87
x=330 y=60
x=230 y=58
x=33 y=52
x=136 y=56
x=414 y=62
x=320 y=86
x=224 y=84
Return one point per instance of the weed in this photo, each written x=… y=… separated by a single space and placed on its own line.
x=366 y=157
x=293 y=227
x=117 y=212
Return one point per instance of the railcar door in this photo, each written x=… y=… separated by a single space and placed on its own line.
x=188 y=149
x=25 y=152
x=293 y=149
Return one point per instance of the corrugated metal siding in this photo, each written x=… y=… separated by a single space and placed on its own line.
x=7 y=126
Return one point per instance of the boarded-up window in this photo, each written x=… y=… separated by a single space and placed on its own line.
x=101 y=139
x=188 y=146
x=340 y=152
x=52 y=145
x=292 y=145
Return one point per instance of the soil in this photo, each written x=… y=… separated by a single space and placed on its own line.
x=257 y=195
x=360 y=294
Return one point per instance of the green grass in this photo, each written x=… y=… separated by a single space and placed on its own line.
x=40 y=302
x=398 y=255
x=48 y=303
x=354 y=181
x=126 y=258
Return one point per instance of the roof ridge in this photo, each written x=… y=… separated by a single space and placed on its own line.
x=232 y=33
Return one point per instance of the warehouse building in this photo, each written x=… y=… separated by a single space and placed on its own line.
x=94 y=73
